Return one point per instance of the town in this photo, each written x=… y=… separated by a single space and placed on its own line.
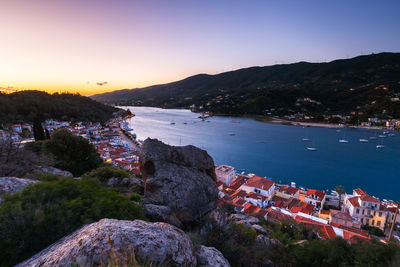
x=352 y=216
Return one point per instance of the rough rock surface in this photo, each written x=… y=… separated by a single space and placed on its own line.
x=11 y=185
x=243 y=219
x=211 y=257
x=259 y=228
x=161 y=213
x=160 y=244
x=182 y=178
x=55 y=171
x=129 y=184
x=267 y=242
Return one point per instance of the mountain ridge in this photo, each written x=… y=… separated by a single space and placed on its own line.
x=338 y=85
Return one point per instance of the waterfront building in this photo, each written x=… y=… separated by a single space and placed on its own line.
x=365 y=208
x=316 y=198
x=259 y=185
x=225 y=174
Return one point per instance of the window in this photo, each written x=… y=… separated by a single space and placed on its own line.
x=357 y=211
x=373 y=222
x=336 y=220
x=378 y=223
x=363 y=212
x=362 y=220
x=380 y=214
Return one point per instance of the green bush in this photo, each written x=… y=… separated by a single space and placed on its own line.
x=373 y=230
x=106 y=172
x=43 y=213
x=72 y=153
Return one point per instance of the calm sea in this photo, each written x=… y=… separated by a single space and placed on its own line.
x=278 y=151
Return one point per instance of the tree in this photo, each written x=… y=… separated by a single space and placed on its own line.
x=38 y=132
x=72 y=153
x=340 y=190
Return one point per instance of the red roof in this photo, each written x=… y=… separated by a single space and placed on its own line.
x=239 y=193
x=277 y=216
x=354 y=202
x=320 y=194
x=365 y=197
x=238 y=182
x=238 y=202
x=288 y=190
x=253 y=210
x=260 y=182
x=341 y=215
x=255 y=196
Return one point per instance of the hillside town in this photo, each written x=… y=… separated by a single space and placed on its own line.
x=349 y=216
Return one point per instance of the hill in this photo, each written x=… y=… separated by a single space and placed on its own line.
x=369 y=84
x=25 y=106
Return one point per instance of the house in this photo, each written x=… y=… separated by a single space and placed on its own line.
x=225 y=174
x=259 y=185
x=315 y=197
x=365 y=208
x=337 y=217
x=251 y=209
x=287 y=192
x=294 y=205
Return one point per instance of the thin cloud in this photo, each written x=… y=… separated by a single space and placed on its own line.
x=101 y=83
x=7 y=89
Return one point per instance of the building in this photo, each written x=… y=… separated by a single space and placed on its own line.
x=225 y=174
x=315 y=197
x=365 y=208
x=337 y=217
x=287 y=192
x=259 y=185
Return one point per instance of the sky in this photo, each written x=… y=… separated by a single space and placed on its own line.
x=94 y=46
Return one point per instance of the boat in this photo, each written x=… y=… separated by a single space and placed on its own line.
x=172 y=123
x=380 y=146
x=362 y=140
x=382 y=136
x=391 y=134
x=312 y=149
x=343 y=141
x=231 y=134
x=306 y=139
x=385 y=132
x=185 y=123
x=338 y=130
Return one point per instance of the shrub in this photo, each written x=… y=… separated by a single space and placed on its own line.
x=43 y=213
x=106 y=172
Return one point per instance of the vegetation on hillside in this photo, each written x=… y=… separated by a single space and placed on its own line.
x=28 y=106
x=364 y=84
x=71 y=153
x=43 y=213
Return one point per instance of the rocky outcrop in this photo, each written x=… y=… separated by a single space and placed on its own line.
x=54 y=171
x=127 y=184
x=118 y=242
x=182 y=178
x=11 y=185
x=211 y=257
x=264 y=241
x=161 y=213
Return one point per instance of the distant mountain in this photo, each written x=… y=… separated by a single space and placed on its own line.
x=368 y=84
x=26 y=106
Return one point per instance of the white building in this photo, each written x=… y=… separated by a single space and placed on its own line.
x=225 y=174
x=259 y=185
x=365 y=208
x=315 y=197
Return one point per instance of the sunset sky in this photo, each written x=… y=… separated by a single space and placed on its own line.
x=92 y=46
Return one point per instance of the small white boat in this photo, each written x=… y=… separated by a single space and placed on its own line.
x=380 y=146
x=338 y=131
x=391 y=134
x=343 y=141
x=306 y=139
x=382 y=136
x=386 y=132
x=362 y=140
x=373 y=138
x=312 y=149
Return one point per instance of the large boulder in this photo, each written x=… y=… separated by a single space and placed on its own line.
x=127 y=184
x=11 y=185
x=119 y=243
x=211 y=257
x=182 y=178
x=54 y=171
x=161 y=213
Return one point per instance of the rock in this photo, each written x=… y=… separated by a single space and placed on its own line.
x=128 y=184
x=267 y=242
x=259 y=228
x=182 y=178
x=119 y=243
x=11 y=185
x=55 y=171
x=211 y=257
x=243 y=219
x=161 y=213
